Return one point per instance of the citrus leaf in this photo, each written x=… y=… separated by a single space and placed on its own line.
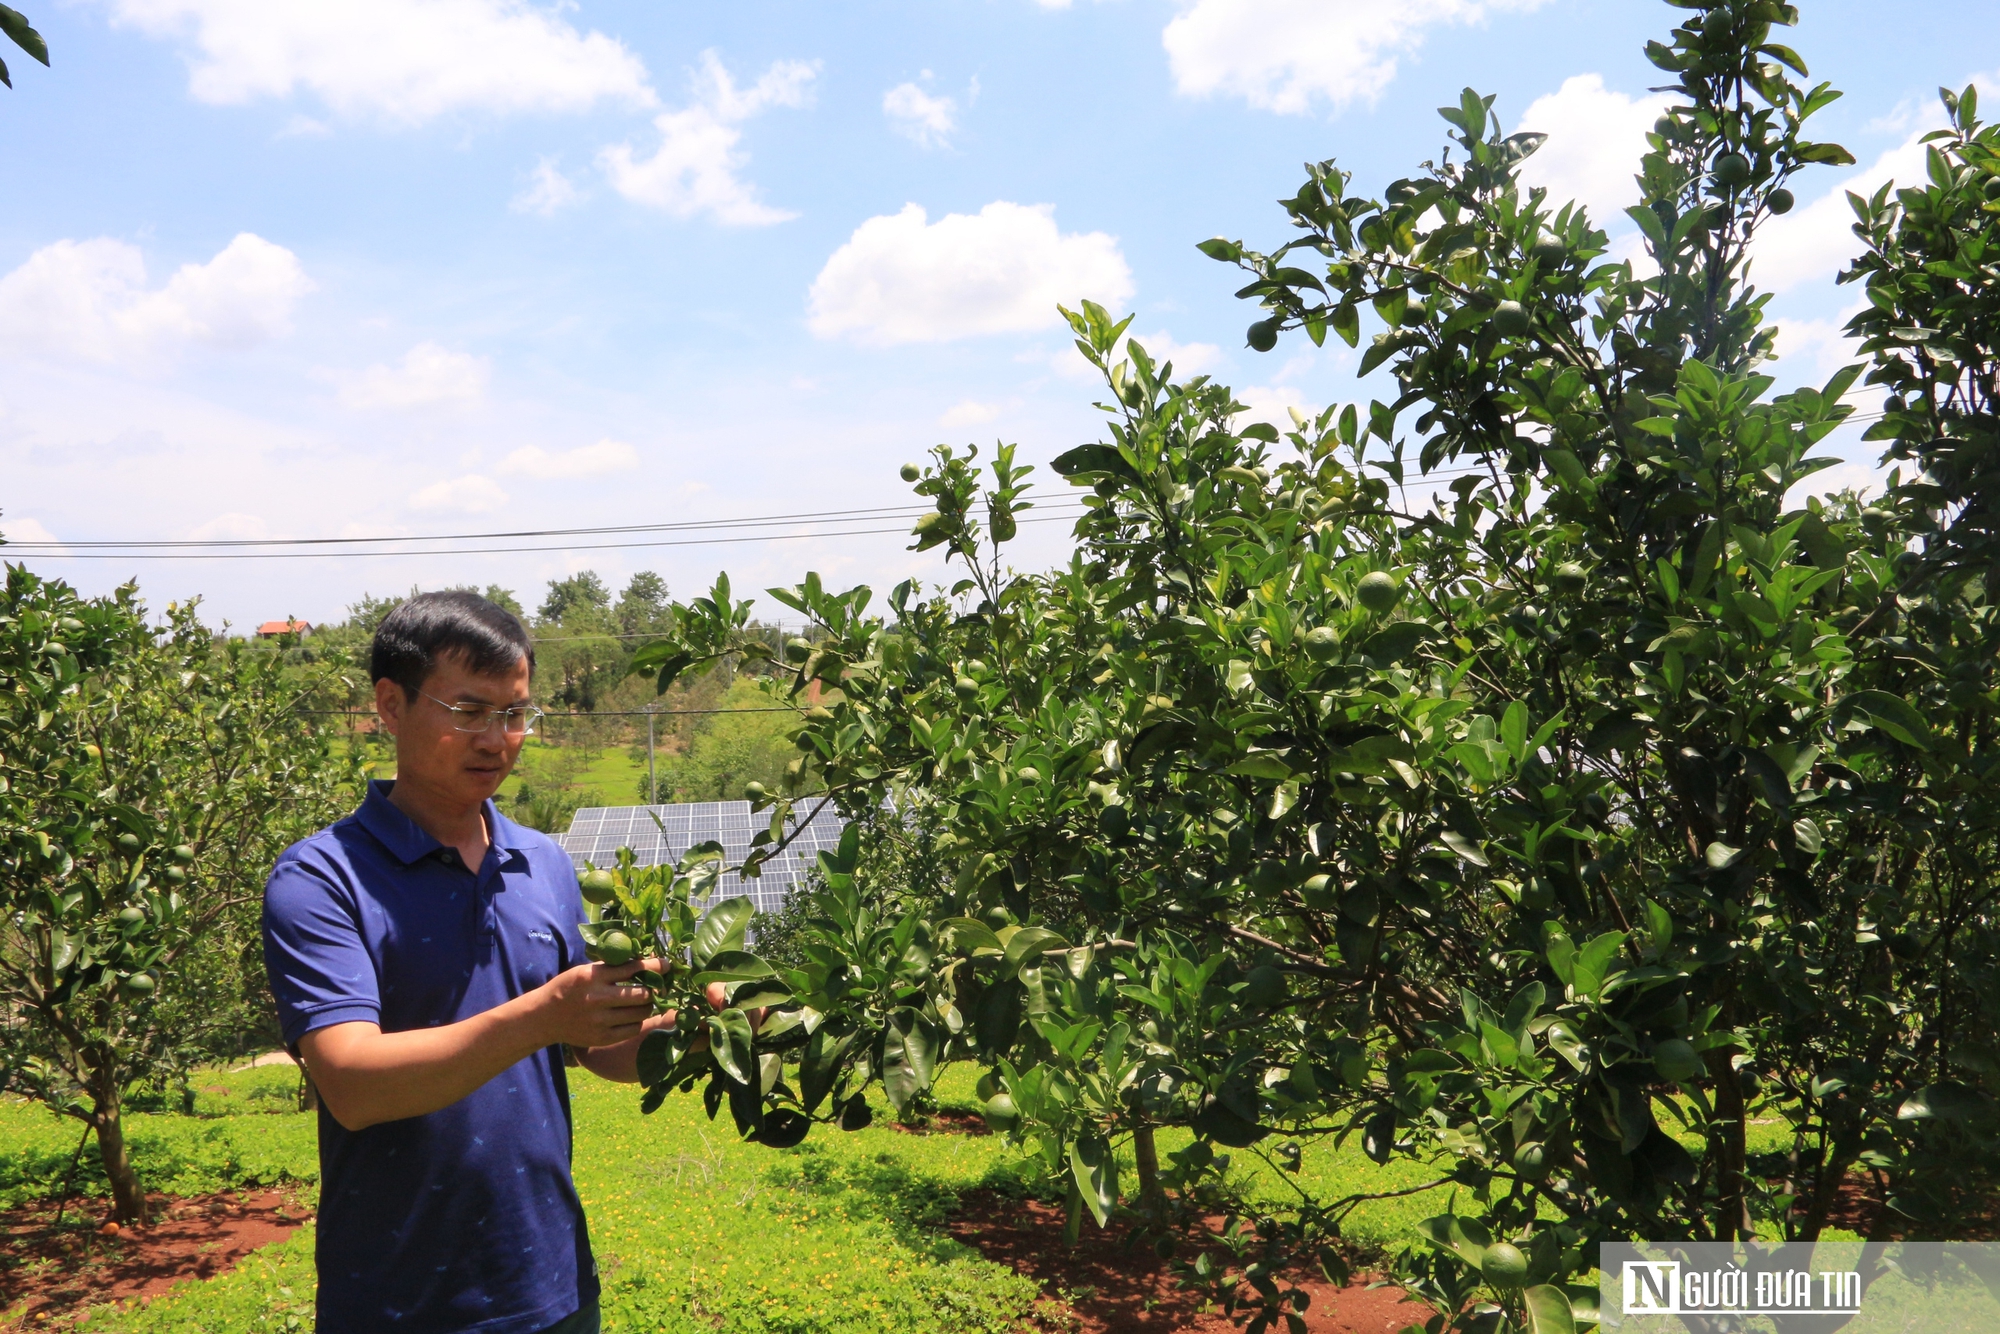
x=1548 y=1310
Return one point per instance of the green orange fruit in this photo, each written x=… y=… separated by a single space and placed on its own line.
x=1263 y=335
x=598 y=886
x=1001 y=1114
x=1378 y=591
x=615 y=947
x=1322 y=643
x=911 y=472
x=1504 y=1266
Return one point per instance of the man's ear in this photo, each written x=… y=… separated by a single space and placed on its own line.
x=390 y=703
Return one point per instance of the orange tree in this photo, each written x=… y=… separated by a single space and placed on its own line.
x=1527 y=789
x=149 y=776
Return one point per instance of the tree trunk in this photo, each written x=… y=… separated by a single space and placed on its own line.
x=1732 y=1206
x=308 y=1091
x=128 y=1196
x=1152 y=1199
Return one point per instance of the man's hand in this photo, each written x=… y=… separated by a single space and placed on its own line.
x=367 y=1076
x=620 y=1061
x=594 y=1005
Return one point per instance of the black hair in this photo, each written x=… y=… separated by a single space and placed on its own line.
x=487 y=637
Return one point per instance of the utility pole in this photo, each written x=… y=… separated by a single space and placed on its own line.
x=652 y=782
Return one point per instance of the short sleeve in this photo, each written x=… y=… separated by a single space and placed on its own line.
x=317 y=961
x=570 y=912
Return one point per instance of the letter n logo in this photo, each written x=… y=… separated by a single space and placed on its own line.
x=1652 y=1287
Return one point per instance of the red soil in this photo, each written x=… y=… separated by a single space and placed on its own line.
x=50 y=1277
x=950 y=1121
x=1106 y=1285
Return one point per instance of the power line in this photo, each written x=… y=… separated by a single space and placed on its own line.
x=58 y=551
x=879 y=511
x=259 y=548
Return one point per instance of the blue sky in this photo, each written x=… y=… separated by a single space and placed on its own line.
x=388 y=267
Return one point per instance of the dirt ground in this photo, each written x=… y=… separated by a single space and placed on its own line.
x=1109 y=1285
x=49 y=1276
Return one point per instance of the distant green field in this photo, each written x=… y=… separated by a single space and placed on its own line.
x=613 y=774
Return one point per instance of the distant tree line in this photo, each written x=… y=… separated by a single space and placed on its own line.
x=585 y=638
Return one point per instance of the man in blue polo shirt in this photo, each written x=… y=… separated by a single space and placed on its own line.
x=427 y=965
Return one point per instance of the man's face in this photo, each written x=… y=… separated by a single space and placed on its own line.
x=431 y=753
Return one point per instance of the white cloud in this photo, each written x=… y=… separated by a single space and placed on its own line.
x=473 y=493
x=583 y=461
x=969 y=412
x=1287 y=55
x=1815 y=241
x=903 y=279
x=428 y=375
x=402 y=60
x=1859 y=476
x=916 y=115
x=1810 y=351
x=694 y=170
x=89 y=299
x=1273 y=403
x=1189 y=359
x=23 y=530
x=1596 y=138
x=547 y=191
x=234 y=525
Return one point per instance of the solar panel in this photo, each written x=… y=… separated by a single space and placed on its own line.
x=597 y=832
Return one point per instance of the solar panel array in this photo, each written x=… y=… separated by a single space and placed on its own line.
x=597 y=832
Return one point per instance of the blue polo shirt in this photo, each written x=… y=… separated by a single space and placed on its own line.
x=464 y=1219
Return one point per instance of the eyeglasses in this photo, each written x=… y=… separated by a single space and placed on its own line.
x=479 y=718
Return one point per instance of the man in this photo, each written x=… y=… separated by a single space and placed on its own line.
x=428 y=970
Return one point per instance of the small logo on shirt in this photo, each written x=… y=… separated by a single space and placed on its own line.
x=545 y=937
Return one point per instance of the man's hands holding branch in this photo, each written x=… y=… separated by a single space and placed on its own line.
x=601 y=1013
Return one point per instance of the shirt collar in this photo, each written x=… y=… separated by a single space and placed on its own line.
x=405 y=838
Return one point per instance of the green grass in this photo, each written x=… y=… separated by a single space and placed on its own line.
x=231 y=1142
x=613 y=774
x=693 y=1229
